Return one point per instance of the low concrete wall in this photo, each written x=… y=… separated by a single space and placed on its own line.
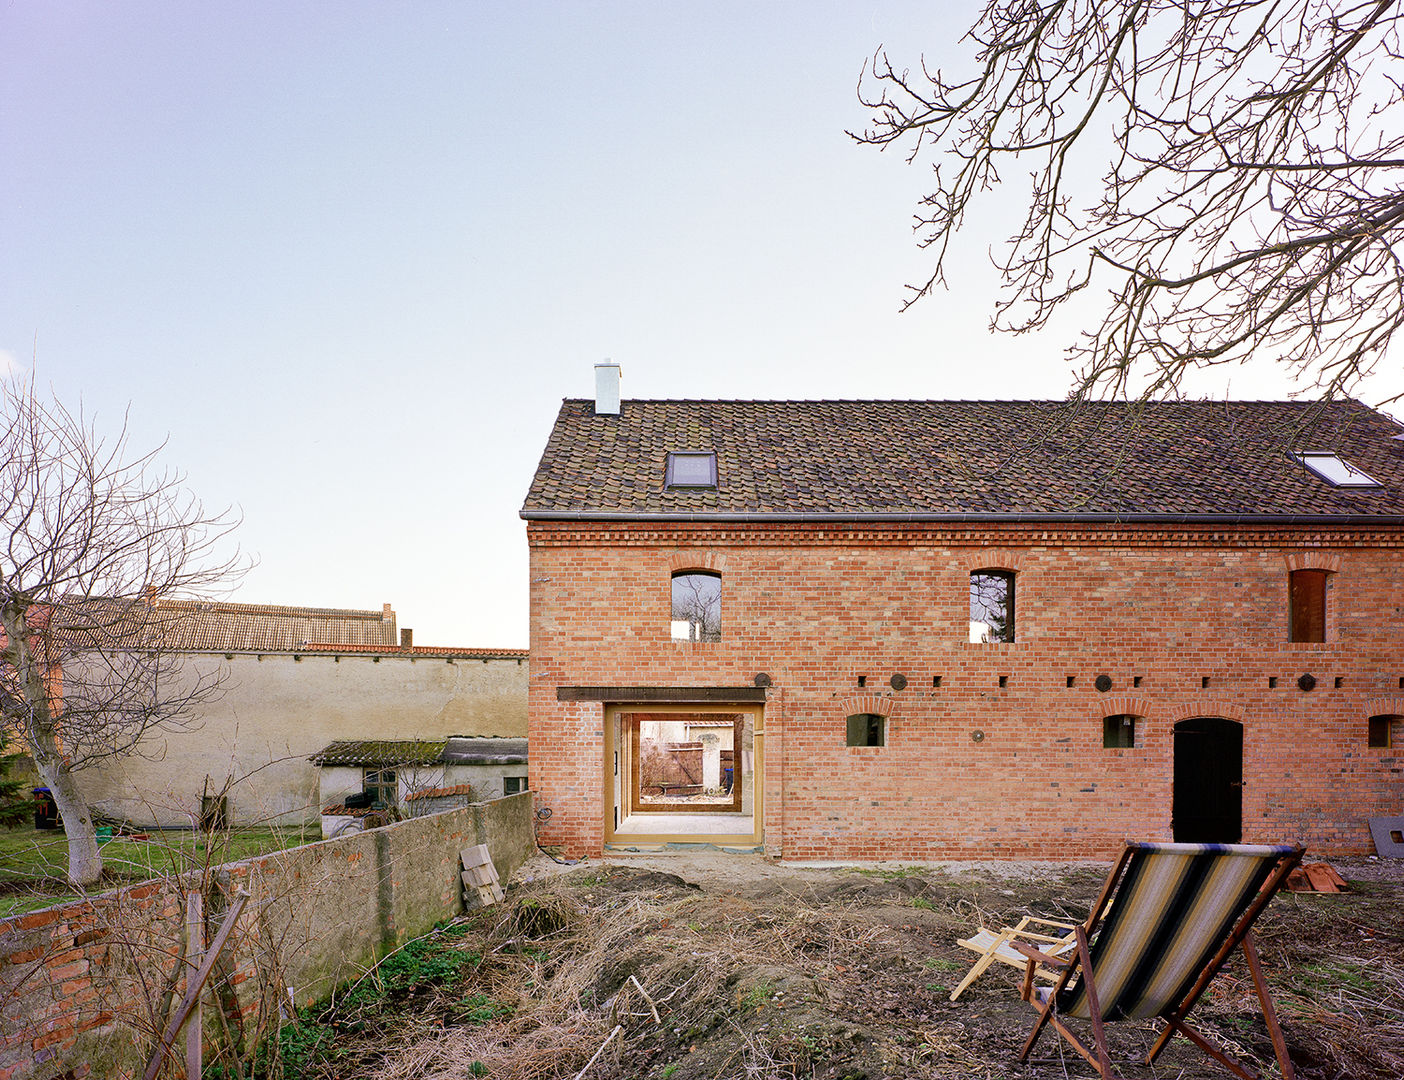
x=78 y=981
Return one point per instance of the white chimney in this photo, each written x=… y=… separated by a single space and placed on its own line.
x=606 y=389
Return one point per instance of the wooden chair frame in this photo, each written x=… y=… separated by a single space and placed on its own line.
x=991 y=946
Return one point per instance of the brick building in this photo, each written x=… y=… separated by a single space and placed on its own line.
x=966 y=629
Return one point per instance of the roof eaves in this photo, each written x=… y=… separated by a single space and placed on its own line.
x=959 y=518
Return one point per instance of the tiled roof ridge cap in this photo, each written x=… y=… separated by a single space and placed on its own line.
x=390 y=650
x=1204 y=401
x=229 y=607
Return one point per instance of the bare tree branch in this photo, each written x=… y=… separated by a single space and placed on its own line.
x=1253 y=192
x=96 y=539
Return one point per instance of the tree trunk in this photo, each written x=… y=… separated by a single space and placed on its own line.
x=84 y=858
x=39 y=725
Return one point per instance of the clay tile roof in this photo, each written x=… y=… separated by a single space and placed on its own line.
x=382 y=752
x=432 y=651
x=967 y=459
x=216 y=626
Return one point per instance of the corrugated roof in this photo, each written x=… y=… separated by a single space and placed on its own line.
x=485 y=750
x=855 y=459
x=381 y=752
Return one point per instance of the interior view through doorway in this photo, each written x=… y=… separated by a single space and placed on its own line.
x=683 y=773
x=1208 y=789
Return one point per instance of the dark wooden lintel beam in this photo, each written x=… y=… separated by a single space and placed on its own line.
x=631 y=694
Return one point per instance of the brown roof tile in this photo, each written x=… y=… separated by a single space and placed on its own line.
x=980 y=459
x=382 y=752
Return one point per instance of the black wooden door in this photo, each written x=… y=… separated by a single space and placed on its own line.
x=1208 y=796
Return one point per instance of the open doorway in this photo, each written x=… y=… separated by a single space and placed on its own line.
x=1208 y=791
x=684 y=773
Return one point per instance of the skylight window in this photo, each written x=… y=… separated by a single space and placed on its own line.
x=1336 y=470
x=692 y=469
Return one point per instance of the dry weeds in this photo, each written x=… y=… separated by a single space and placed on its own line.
x=623 y=973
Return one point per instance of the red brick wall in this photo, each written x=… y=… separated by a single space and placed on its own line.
x=1157 y=610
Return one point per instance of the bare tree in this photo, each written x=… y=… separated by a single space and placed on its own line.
x=95 y=538
x=1253 y=196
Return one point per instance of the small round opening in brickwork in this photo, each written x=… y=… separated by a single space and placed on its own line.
x=1307 y=682
x=1103 y=683
x=977 y=736
x=762 y=679
x=898 y=682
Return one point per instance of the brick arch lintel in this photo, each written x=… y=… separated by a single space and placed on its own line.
x=995 y=559
x=1208 y=707
x=1385 y=706
x=1122 y=704
x=714 y=561
x=1313 y=560
x=878 y=704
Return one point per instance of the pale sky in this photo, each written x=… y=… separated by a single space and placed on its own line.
x=349 y=257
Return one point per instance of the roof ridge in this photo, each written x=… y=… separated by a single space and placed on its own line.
x=230 y=607
x=1204 y=401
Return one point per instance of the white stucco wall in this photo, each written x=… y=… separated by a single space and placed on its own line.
x=276 y=711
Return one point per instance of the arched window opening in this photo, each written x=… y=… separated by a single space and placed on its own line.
x=1306 y=615
x=991 y=606
x=1119 y=732
x=867 y=729
x=1386 y=730
x=696 y=606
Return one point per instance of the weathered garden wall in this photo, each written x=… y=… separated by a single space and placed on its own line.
x=80 y=984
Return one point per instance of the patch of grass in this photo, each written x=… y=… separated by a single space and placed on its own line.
x=923 y=903
x=756 y=996
x=34 y=865
x=1334 y=974
x=669 y=1069
x=480 y=1009
x=936 y=963
x=891 y=873
x=424 y=961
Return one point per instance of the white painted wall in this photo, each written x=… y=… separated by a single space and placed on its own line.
x=276 y=711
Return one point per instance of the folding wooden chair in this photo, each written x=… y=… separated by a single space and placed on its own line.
x=1179 y=911
x=995 y=945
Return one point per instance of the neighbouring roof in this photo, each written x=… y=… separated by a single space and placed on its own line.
x=217 y=626
x=382 y=752
x=968 y=460
x=441 y=793
x=455 y=750
x=415 y=650
x=484 y=750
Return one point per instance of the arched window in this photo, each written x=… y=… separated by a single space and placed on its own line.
x=696 y=606
x=991 y=606
x=1119 y=732
x=1386 y=730
x=867 y=729
x=1306 y=605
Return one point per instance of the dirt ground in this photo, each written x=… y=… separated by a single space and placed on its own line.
x=688 y=967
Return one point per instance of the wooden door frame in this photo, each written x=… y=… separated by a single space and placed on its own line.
x=752 y=711
x=635 y=804
x=1175 y=779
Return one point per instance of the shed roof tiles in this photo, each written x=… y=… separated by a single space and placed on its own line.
x=967 y=459
x=380 y=752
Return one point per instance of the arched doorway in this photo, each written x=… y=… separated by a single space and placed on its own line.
x=1208 y=792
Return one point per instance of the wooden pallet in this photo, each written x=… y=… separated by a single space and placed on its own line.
x=481 y=887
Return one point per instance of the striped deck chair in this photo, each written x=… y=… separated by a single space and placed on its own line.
x=1179 y=911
